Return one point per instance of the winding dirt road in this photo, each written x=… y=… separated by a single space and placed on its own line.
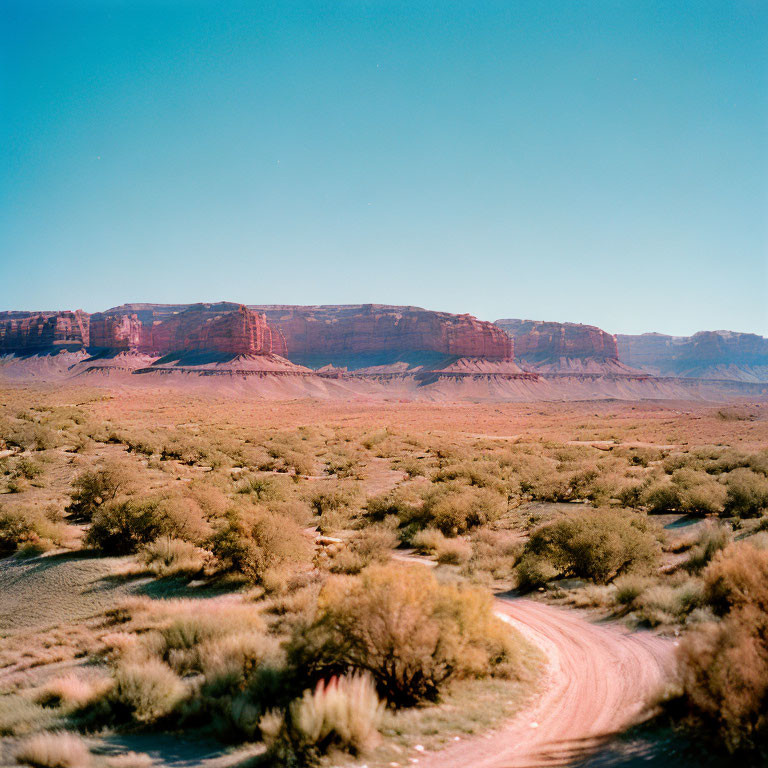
x=599 y=680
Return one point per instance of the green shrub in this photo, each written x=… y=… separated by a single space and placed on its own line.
x=594 y=544
x=747 y=493
x=121 y=527
x=699 y=493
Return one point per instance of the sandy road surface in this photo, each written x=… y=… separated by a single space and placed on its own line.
x=598 y=681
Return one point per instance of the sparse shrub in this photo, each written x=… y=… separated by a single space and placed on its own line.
x=630 y=587
x=263 y=487
x=664 y=603
x=15 y=529
x=454 y=508
x=401 y=503
x=121 y=527
x=256 y=541
x=184 y=517
x=534 y=571
x=736 y=578
x=723 y=666
x=342 y=714
x=54 y=750
x=747 y=493
x=482 y=474
x=410 y=632
x=494 y=553
x=144 y=443
x=332 y=498
x=454 y=552
x=343 y=464
x=427 y=541
x=594 y=544
x=662 y=496
x=173 y=557
x=145 y=691
x=723 y=670
x=412 y=466
x=373 y=544
x=711 y=538
x=71 y=692
x=94 y=488
x=28 y=468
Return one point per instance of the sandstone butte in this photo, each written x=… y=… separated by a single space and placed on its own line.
x=238 y=330
x=542 y=342
x=362 y=328
x=33 y=331
x=230 y=329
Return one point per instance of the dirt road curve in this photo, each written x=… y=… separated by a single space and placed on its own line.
x=598 y=681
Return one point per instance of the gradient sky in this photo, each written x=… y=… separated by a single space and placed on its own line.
x=594 y=161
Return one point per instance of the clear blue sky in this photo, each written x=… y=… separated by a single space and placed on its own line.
x=599 y=161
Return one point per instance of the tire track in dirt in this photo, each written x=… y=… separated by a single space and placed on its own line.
x=599 y=680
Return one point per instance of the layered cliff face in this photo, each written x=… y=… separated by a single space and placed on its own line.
x=27 y=332
x=118 y=332
x=238 y=331
x=331 y=333
x=707 y=354
x=540 y=342
x=230 y=329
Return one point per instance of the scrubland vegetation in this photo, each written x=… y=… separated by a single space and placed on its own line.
x=269 y=592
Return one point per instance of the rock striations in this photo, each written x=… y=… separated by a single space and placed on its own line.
x=230 y=329
x=540 y=341
x=564 y=347
x=364 y=328
x=371 y=351
x=721 y=355
x=30 y=332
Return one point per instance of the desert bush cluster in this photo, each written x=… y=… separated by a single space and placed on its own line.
x=304 y=630
x=308 y=678
x=724 y=664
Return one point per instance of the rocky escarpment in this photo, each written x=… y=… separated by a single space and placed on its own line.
x=708 y=354
x=230 y=329
x=119 y=332
x=319 y=335
x=30 y=332
x=562 y=346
